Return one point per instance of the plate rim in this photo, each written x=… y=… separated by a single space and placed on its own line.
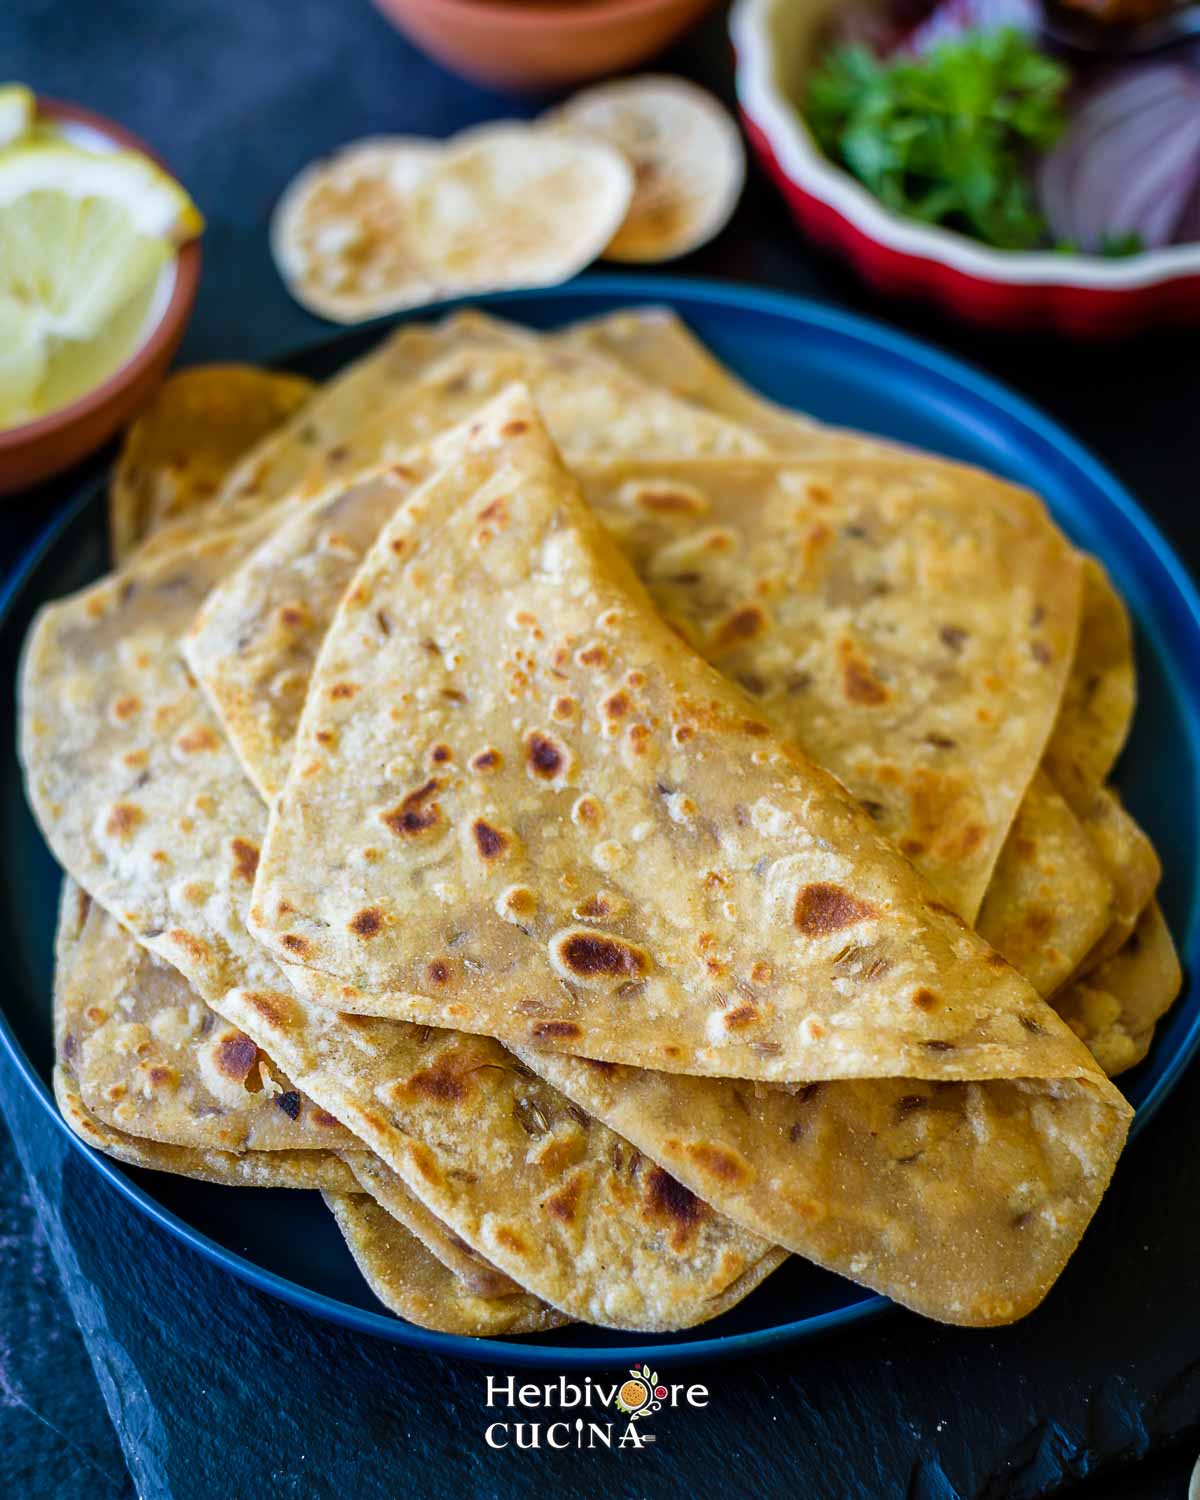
x=1056 y=441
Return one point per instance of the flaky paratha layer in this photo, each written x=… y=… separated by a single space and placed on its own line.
x=960 y=1200
x=1115 y=1007
x=261 y=1169
x=417 y=1287
x=150 y=1059
x=552 y=1197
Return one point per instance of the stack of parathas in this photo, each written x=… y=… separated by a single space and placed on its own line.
x=604 y=831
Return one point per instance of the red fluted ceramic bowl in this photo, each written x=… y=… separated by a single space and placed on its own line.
x=1078 y=295
x=52 y=443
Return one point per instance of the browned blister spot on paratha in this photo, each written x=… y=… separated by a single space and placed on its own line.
x=367 y=923
x=417 y=813
x=823 y=908
x=592 y=957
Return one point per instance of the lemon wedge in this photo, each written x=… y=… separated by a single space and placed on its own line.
x=83 y=237
x=22 y=365
x=17 y=109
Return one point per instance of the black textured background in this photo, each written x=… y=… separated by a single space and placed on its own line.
x=128 y=1366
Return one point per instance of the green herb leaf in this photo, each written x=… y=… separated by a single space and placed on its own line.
x=946 y=138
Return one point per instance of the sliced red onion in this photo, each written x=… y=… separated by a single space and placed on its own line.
x=864 y=23
x=950 y=20
x=1129 y=162
x=1188 y=228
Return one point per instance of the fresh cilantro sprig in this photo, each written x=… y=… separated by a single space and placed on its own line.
x=946 y=138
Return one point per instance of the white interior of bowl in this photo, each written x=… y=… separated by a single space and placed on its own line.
x=774 y=41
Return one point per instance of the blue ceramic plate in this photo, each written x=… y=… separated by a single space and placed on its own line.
x=844 y=370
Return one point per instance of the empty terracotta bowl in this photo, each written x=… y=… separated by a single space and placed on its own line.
x=36 y=450
x=522 y=44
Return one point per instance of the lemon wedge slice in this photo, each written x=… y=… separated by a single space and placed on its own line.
x=22 y=365
x=17 y=109
x=83 y=237
x=81 y=231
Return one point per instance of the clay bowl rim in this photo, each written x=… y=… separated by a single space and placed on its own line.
x=177 y=310
x=575 y=17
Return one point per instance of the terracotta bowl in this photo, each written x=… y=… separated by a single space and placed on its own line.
x=524 y=45
x=39 y=449
x=1083 y=296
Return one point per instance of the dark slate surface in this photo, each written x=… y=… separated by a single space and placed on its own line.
x=213 y=1390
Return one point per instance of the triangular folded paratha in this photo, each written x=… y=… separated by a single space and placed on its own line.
x=255 y=639
x=180 y=448
x=593 y=409
x=495 y=794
